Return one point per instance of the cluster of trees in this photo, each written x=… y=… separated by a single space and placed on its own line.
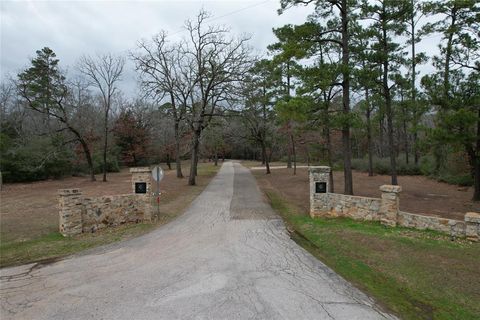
x=186 y=88
x=352 y=69
x=343 y=85
x=199 y=76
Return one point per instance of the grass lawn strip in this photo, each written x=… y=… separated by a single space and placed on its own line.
x=416 y=274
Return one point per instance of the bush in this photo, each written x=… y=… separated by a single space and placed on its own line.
x=112 y=163
x=452 y=173
x=38 y=159
x=427 y=165
x=382 y=166
x=464 y=180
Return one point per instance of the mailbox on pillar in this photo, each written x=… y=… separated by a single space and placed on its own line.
x=141 y=182
x=319 y=188
x=140 y=187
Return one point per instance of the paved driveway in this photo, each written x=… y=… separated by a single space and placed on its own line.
x=227 y=257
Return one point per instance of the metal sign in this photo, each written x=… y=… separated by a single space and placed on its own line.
x=320 y=187
x=140 y=187
x=157 y=174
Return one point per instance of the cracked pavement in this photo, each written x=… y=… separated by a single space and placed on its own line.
x=227 y=257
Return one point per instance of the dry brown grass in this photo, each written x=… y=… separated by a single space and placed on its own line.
x=420 y=194
x=29 y=210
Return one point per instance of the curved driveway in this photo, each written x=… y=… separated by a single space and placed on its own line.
x=228 y=257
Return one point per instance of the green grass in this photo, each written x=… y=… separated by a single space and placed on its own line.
x=416 y=274
x=54 y=245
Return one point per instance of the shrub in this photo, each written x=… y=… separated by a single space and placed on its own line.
x=426 y=167
x=453 y=173
x=112 y=163
x=382 y=166
x=461 y=180
x=38 y=159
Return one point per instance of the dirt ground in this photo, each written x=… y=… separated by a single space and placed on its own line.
x=28 y=210
x=420 y=194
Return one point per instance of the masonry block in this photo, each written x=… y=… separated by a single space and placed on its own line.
x=472 y=229
x=390 y=204
x=319 y=190
x=70 y=203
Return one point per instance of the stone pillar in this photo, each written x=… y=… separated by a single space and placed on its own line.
x=143 y=175
x=319 y=188
x=70 y=204
x=390 y=204
x=472 y=229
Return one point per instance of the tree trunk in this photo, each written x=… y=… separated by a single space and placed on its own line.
x=307 y=152
x=476 y=163
x=86 y=151
x=330 y=158
x=369 y=134
x=169 y=165
x=415 y=146
x=197 y=158
x=178 y=161
x=265 y=156
x=88 y=156
x=448 y=55
x=391 y=144
x=290 y=147
x=105 y=145
x=476 y=180
x=294 y=155
x=405 y=140
x=216 y=157
x=414 y=89
x=289 y=156
x=347 y=156
x=388 y=107
x=381 y=139
x=194 y=158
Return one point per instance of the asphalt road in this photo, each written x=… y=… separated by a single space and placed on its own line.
x=228 y=257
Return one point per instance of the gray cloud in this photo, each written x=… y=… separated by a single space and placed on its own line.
x=74 y=28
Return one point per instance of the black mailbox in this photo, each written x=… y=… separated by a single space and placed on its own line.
x=140 y=187
x=320 y=187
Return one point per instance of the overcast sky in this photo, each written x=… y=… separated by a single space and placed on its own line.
x=74 y=28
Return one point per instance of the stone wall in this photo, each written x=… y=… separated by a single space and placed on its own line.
x=70 y=204
x=385 y=209
x=79 y=214
x=453 y=227
x=110 y=211
x=360 y=208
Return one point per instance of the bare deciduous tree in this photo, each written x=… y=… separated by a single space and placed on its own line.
x=220 y=63
x=162 y=74
x=103 y=72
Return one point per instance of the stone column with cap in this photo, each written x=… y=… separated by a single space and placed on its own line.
x=143 y=175
x=472 y=226
x=390 y=204
x=319 y=187
x=70 y=205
